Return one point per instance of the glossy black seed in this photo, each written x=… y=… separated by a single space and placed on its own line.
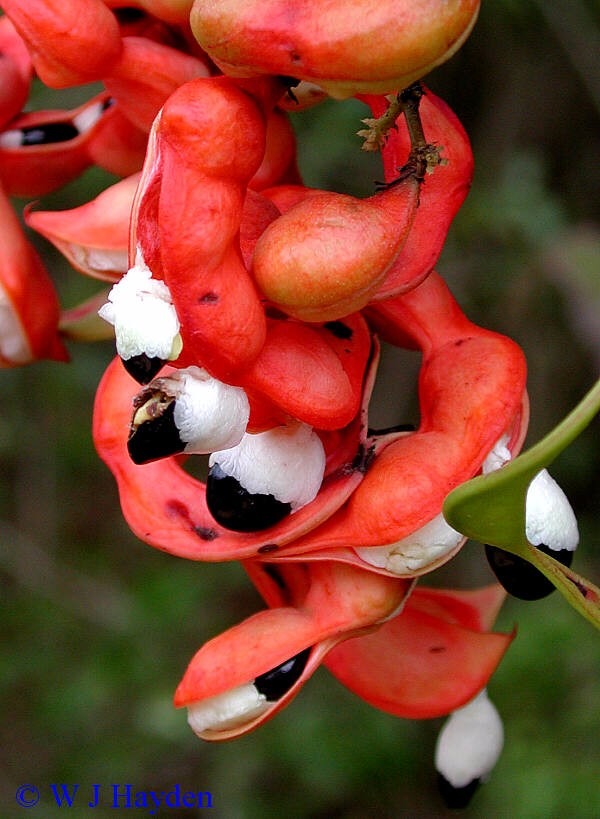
x=143 y=367
x=48 y=133
x=235 y=508
x=156 y=438
x=519 y=577
x=456 y=798
x=275 y=683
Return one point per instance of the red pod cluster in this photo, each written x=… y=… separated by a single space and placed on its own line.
x=247 y=310
x=346 y=48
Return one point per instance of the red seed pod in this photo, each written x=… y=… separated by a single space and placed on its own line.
x=94 y=236
x=243 y=677
x=279 y=162
x=205 y=147
x=28 y=301
x=71 y=42
x=43 y=150
x=166 y=507
x=314 y=374
x=146 y=74
x=471 y=392
x=16 y=71
x=346 y=48
x=442 y=192
x=117 y=145
x=430 y=659
x=326 y=256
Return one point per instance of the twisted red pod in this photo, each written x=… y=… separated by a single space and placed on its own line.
x=207 y=144
x=441 y=195
x=29 y=306
x=430 y=659
x=313 y=608
x=366 y=46
x=43 y=150
x=146 y=74
x=471 y=392
x=166 y=507
x=15 y=71
x=314 y=374
x=93 y=236
x=287 y=195
x=70 y=41
x=279 y=162
x=326 y=255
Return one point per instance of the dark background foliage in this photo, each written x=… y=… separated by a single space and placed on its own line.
x=98 y=627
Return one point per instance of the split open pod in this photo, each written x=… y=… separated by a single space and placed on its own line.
x=416 y=654
x=167 y=507
x=94 y=236
x=204 y=148
x=243 y=677
x=42 y=150
x=471 y=394
x=431 y=658
x=29 y=308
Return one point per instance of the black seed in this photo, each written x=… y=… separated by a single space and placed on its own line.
x=48 y=133
x=456 y=798
x=235 y=508
x=519 y=577
x=156 y=438
x=275 y=683
x=143 y=367
x=339 y=329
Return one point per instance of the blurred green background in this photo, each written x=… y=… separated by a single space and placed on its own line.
x=98 y=627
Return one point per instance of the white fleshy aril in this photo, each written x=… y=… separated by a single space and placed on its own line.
x=230 y=709
x=142 y=313
x=419 y=549
x=499 y=455
x=549 y=518
x=14 y=345
x=12 y=138
x=286 y=462
x=433 y=540
x=88 y=117
x=470 y=742
x=208 y=414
